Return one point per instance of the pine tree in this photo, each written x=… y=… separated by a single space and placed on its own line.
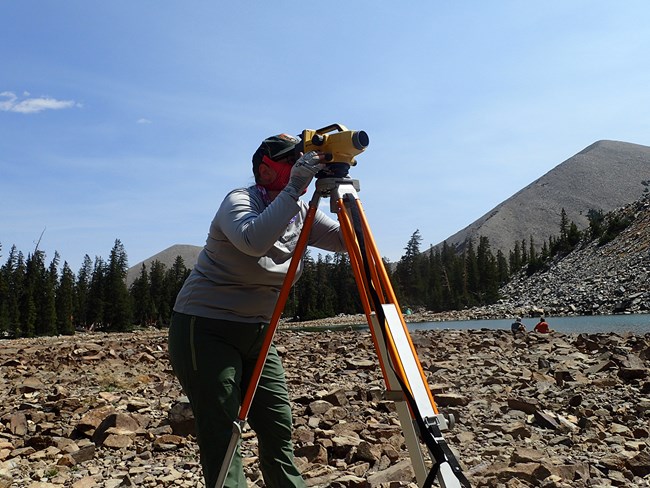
x=344 y=284
x=515 y=259
x=457 y=278
x=532 y=252
x=488 y=272
x=471 y=290
x=81 y=310
x=140 y=292
x=324 y=291
x=545 y=250
x=48 y=316
x=118 y=307
x=408 y=272
x=596 y=223
x=65 y=301
x=306 y=292
x=159 y=295
x=5 y=321
x=18 y=286
x=434 y=281
x=97 y=295
x=175 y=277
x=29 y=311
x=574 y=235
x=449 y=295
x=564 y=227
x=14 y=282
x=503 y=273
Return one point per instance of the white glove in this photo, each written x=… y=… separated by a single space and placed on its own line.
x=302 y=173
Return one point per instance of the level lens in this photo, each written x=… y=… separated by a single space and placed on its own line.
x=360 y=139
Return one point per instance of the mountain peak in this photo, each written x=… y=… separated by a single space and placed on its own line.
x=603 y=176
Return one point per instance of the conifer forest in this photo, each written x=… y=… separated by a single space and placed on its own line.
x=40 y=297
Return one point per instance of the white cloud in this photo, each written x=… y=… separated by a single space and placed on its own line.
x=144 y=121
x=9 y=102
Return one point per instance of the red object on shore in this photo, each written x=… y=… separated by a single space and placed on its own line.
x=542 y=327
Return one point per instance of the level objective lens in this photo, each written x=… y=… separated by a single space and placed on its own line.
x=360 y=139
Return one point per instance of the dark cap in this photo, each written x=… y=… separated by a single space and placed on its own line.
x=276 y=148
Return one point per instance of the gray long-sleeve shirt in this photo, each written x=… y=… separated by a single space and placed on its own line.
x=240 y=271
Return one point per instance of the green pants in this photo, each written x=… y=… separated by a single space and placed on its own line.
x=214 y=360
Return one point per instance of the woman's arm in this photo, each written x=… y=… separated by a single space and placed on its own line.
x=249 y=225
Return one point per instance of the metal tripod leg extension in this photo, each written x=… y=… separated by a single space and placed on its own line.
x=419 y=391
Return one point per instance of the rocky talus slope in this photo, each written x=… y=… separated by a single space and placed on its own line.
x=594 y=278
x=556 y=410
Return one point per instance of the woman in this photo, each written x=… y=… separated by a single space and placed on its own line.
x=224 y=308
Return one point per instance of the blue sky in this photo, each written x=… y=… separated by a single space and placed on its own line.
x=132 y=119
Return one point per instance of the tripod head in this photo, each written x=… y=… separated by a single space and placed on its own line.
x=335 y=188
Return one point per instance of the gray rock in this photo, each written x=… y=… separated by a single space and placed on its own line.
x=181 y=418
x=516 y=425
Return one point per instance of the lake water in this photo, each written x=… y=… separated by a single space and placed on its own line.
x=637 y=323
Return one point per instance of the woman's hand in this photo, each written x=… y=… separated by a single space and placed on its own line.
x=303 y=172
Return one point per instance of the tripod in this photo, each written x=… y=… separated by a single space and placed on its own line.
x=404 y=378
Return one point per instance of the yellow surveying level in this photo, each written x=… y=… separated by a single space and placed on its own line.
x=339 y=144
x=405 y=381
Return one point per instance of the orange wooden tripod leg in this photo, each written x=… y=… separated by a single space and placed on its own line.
x=354 y=253
x=386 y=285
x=364 y=287
x=356 y=259
x=301 y=245
x=238 y=424
x=364 y=291
x=343 y=215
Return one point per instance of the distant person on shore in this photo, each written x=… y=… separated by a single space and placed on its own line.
x=223 y=311
x=542 y=326
x=517 y=327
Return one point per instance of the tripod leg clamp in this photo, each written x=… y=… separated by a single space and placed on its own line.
x=444 y=422
x=443 y=455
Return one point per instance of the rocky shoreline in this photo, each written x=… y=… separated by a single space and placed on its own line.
x=554 y=410
x=418 y=316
